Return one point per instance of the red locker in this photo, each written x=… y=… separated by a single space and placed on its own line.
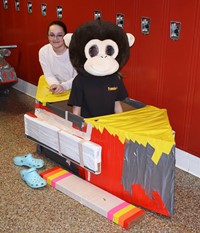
x=161 y=71
x=176 y=89
x=192 y=132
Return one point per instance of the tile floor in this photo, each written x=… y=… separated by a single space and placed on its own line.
x=26 y=210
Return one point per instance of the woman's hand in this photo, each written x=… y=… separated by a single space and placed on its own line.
x=56 y=88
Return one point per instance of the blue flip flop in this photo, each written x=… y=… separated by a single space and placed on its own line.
x=32 y=178
x=28 y=160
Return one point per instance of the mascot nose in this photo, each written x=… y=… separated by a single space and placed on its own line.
x=103 y=56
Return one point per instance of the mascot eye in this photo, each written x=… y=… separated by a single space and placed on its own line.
x=101 y=48
x=93 y=50
x=109 y=50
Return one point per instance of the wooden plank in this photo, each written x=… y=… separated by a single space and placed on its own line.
x=91 y=196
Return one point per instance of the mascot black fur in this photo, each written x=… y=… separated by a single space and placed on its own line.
x=98 y=50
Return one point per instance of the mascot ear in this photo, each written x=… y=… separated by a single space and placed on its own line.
x=67 y=38
x=131 y=39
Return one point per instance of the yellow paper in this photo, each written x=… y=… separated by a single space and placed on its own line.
x=44 y=95
x=145 y=125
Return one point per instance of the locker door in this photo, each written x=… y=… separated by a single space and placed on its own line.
x=7 y=37
x=80 y=12
x=36 y=36
x=128 y=9
x=144 y=74
x=192 y=128
x=179 y=62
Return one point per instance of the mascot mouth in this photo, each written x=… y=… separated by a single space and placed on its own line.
x=101 y=67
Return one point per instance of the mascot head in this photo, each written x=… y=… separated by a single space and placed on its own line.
x=99 y=47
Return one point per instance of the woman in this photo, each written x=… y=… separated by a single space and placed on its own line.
x=54 y=59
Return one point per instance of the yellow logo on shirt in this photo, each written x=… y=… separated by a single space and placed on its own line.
x=112 y=88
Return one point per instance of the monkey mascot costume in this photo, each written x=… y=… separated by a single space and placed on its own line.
x=98 y=50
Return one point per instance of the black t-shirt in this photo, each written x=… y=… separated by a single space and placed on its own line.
x=96 y=95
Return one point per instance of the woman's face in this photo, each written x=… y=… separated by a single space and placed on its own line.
x=55 y=36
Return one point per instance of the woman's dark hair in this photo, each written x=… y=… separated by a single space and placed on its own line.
x=59 y=23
